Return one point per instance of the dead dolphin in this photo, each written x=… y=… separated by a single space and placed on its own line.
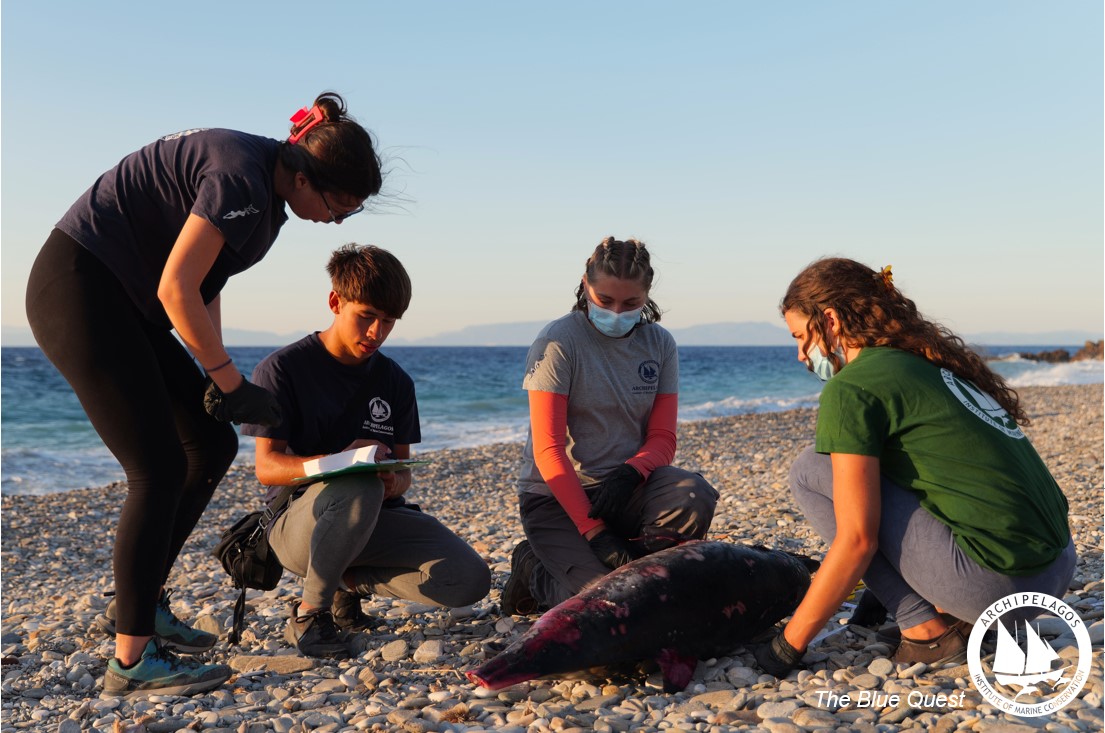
x=694 y=601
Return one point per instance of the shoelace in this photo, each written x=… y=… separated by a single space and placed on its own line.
x=163 y=603
x=323 y=620
x=164 y=654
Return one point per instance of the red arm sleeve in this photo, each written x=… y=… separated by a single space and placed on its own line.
x=659 y=447
x=548 y=416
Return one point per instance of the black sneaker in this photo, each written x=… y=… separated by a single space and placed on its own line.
x=516 y=598
x=173 y=632
x=347 y=613
x=315 y=634
x=160 y=672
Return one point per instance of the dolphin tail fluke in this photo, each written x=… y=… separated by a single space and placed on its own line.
x=678 y=668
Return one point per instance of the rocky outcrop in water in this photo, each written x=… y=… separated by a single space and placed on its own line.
x=1092 y=350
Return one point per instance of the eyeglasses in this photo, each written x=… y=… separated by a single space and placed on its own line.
x=335 y=218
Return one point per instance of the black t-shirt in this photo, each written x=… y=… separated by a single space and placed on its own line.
x=132 y=215
x=314 y=390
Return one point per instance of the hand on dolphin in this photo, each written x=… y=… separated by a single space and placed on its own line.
x=610 y=498
x=778 y=657
x=611 y=549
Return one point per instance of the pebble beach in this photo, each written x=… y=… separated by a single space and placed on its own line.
x=408 y=674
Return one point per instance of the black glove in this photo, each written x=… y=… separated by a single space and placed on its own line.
x=613 y=494
x=777 y=657
x=246 y=404
x=611 y=549
x=869 y=611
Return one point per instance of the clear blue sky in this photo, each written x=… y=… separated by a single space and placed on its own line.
x=960 y=142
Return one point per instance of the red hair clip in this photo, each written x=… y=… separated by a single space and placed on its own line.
x=303 y=121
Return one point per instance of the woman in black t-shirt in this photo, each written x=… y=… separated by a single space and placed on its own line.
x=147 y=249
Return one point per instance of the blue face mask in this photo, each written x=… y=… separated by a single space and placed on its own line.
x=821 y=365
x=614 y=325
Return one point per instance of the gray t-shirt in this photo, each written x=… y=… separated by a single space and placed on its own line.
x=131 y=216
x=611 y=385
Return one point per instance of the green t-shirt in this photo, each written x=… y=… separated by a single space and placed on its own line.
x=941 y=437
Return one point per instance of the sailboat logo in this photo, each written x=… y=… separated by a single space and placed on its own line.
x=985 y=407
x=1024 y=668
x=1047 y=674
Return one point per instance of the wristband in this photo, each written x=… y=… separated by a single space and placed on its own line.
x=225 y=364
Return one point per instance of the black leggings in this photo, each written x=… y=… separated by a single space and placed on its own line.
x=143 y=394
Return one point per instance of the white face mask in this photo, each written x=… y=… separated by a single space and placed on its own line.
x=821 y=365
x=610 y=323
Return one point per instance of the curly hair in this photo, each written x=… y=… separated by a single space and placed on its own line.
x=628 y=260
x=873 y=312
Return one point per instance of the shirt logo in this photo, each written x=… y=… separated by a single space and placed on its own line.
x=182 y=133
x=241 y=212
x=379 y=409
x=649 y=371
x=984 y=407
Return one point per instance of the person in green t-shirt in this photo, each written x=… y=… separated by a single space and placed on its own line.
x=920 y=476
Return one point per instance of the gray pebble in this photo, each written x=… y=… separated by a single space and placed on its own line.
x=394 y=651
x=429 y=651
x=881 y=667
x=777 y=709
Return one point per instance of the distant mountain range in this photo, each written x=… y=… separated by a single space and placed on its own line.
x=522 y=334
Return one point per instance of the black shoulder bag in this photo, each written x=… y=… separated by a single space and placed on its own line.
x=246 y=556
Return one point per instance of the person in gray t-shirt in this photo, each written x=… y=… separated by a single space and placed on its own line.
x=596 y=487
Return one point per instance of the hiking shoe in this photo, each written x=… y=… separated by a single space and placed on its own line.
x=347 y=613
x=948 y=648
x=175 y=634
x=516 y=598
x=160 y=672
x=315 y=634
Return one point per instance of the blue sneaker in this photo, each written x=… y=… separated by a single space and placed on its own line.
x=160 y=672
x=175 y=634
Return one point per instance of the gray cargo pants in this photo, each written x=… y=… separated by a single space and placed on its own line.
x=396 y=551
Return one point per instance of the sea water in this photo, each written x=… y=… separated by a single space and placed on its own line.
x=467 y=396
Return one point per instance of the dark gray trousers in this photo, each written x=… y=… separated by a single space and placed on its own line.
x=918 y=566
x=672 y=503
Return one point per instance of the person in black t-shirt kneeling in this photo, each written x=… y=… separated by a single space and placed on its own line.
x=353 y=535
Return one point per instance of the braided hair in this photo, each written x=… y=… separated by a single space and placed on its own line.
x=873 y=312
x=628 y=260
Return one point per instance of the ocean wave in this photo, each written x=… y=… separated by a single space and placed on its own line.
x=738 y=406
x=31 y=471
x=441 y=435
x=1051 y=375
